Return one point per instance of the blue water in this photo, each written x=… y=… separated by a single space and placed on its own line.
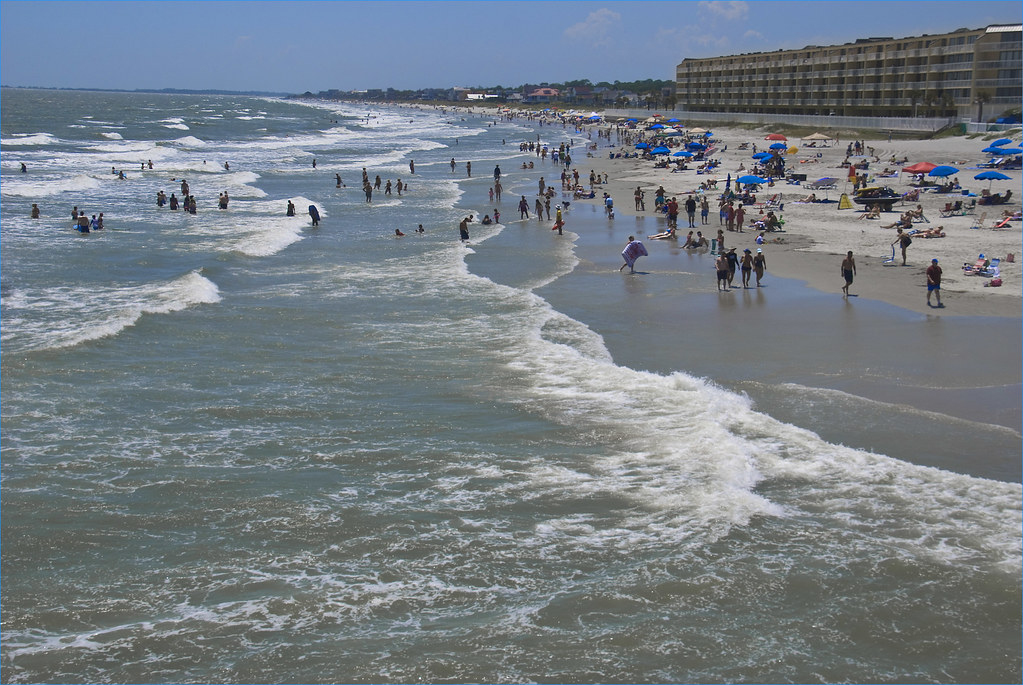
x=238 y=448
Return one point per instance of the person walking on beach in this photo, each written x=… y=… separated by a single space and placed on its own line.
x=523 y=208
x=468 y=168
x=740 y=217
x=538 y=209
x=759 y=264
x=721 y=264
x=497 y=189
x=640 y=204
x=559 y=223
x=733 y=264
x=691 y=211
x=934 y=282
x=704 y=211
x=848 y=271
x=904 y=241
x=746 y=266
x=497 y=173
x=452 y=165
x=412 y=166
x=633 y=251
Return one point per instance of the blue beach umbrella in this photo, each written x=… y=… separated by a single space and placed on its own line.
x=1010 y=151
x=683 y=153
x=696 y=146
x=942 y=171
x=779 y=146
x=992 y=175
x=642 y=146
x=750 y=179
x=992 y=150
x=660 y=151
x=1001 y=141
x=762 y=155
x=656 y=126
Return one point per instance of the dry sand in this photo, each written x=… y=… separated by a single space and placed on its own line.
x=818 y=235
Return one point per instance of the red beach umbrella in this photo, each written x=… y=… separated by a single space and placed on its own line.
x=775 y=136
x=919 y=168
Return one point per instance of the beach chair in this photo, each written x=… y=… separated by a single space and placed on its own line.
x=970 y=208
x=770 y=202
x=979 y=223
x=975 y=268
x=947 y=211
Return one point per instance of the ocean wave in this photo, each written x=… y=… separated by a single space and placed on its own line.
x=30 y=139
x=64 y=317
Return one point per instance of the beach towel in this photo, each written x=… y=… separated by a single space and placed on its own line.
x=634 y=251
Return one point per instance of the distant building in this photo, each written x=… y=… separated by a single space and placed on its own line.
x=969 y=73
x=543 y=94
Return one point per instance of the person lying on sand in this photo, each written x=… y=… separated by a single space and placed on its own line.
x=873 y=213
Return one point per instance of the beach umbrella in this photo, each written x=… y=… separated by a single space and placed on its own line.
x=992 y=150
x=942 y=171
x=775 y=136
x=660 y=151
x=1001 y=141
x=657 y=126
x=673 y=120
x=919 y=168
x=750 y=179
x=1010 y=151
x=698 y=131
x=696 y=146
x=991 y=175
x=642 y=146
x=778 y=146
x=763 y=155
x=683 y=153
x=632 y=119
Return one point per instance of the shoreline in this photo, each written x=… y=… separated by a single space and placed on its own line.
x=818 y=235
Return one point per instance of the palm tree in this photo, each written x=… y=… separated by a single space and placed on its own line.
x=981 y=97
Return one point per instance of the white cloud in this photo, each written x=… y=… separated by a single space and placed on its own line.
x=753 y=34
x=596 y=28
x=730 y=10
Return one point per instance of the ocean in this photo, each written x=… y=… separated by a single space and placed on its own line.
x=240 y=448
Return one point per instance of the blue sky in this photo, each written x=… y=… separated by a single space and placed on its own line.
x=298 y=46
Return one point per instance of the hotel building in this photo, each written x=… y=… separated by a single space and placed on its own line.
x=971 y=74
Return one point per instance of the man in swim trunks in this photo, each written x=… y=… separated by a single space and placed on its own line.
x=934 y=282
x=848 y=271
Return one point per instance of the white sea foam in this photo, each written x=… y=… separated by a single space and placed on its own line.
x=68 y=316
x=30 y=139
x=180 y=127
x=112 y=135
x=37 y=187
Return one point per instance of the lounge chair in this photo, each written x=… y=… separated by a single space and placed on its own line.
x=980 y=221
x=977 y=267
x=947 y=211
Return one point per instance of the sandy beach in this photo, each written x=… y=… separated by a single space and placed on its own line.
x=816 y=236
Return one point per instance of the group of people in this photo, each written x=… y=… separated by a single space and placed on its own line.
x=79 y=220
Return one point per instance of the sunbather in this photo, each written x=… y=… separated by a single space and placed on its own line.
x=873 y=213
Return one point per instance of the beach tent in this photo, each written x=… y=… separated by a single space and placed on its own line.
x=817 y=136
x=698 y=131
x=775 y=136
x=919 y=168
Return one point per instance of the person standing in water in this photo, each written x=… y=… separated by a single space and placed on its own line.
x=633 y=251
